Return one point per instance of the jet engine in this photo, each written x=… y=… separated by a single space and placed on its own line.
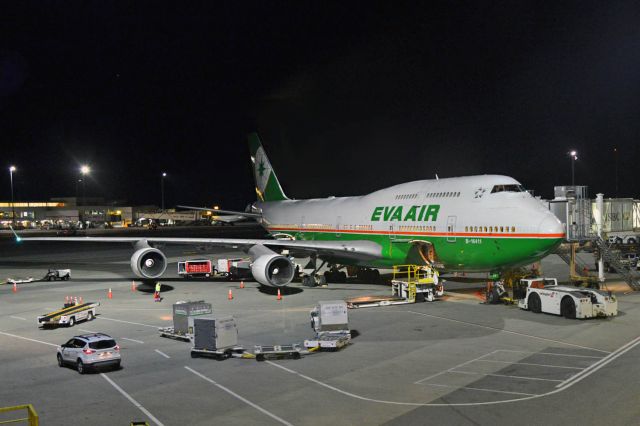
x=148 y=262
x=270 y=268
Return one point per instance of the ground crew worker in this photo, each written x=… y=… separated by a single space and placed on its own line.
x=156 y=295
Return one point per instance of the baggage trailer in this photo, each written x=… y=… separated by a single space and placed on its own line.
x=545 y=295
x=215 y=337
x=264 y=352
x=200 y=268
x=183 y=316
x=69 y=315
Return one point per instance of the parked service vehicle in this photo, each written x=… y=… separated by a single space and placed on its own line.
x=57 y=274
x=89 y=351
x=545 y=295
x=622 y=238
x=200 y=268
x=234 y=268
x=69 y=315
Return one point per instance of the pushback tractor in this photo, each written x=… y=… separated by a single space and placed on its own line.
x=545 y=295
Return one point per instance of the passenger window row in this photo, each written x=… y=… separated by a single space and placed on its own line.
x=417 y=228
x=406 y=196
x=490 y=229
x=442 y=194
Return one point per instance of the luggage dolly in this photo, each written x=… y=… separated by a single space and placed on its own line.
x=263 y=352
x=171 y=333
x=329 y=341
x=219 y=354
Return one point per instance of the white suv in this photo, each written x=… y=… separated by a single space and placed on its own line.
x=89 y=350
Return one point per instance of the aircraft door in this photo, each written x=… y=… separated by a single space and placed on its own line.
x=392 y=238
x=451 y=229
x=300 y=229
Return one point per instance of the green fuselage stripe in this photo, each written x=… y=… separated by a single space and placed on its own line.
x=475 y=252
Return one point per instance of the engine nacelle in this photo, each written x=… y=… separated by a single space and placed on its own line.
x=148 y=262
x=270 y=268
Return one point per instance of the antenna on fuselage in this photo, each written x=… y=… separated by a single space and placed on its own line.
x=437 y=178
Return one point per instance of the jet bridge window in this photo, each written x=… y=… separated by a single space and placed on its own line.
x=507 y=188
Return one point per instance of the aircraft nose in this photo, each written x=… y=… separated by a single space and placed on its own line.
x=551 y=225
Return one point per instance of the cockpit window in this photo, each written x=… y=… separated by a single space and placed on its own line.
x=507 y=188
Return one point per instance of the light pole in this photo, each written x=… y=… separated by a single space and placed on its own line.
x=574 y=156
x=615 y=153
x=164 y=175
x=84 y=170
x=13 y=208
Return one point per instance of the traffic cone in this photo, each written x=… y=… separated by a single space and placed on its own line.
x=279 y=295
x=66 y=300
x=81 y=300
x=110 y=294
x=230 y=296
x=75 y=300
x=133 y=286
x=241 y=284
x=15 y=287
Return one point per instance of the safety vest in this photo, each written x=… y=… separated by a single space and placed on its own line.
x=158 y=287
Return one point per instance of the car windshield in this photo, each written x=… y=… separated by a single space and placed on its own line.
x=102 y=344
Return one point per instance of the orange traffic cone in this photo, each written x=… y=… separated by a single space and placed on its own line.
x=133 y=286
x=15 y=287
x=81 y=300
x=230 y=296
x=241 y=284
x=66 y=300
x=279 y=295
x=110 y=294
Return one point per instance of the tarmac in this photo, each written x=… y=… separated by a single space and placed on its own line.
x=454 y=361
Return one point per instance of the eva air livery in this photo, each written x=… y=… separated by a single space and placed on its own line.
x=472 y=223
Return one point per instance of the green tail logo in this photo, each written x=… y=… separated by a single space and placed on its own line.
x=267 y=186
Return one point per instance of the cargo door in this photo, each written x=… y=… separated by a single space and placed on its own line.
x=451 y=229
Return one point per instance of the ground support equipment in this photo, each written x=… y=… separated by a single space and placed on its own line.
x=218 y=354
x=410 y=284
x=329 y=341
x=69 y=315
x=172 y=333
x=263 y=352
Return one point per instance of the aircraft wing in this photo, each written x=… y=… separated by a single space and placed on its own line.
x=357 y=250
x=228 y=212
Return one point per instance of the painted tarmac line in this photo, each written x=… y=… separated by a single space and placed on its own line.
x=531 y=336
x=127 y=322
x=232 y=393
x=452 y=368
x=162 y=353
x=133 y=340
x=26 y=338
x=132 y=400
x=481 y=389
x=16 y=317
x=530 y=363
x=504 y=375
x=598 y=365
x=550 y=353
x=88 y=331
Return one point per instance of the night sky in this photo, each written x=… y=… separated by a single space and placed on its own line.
x=347 y=97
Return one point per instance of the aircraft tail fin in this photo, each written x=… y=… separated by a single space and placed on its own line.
x=267 y=185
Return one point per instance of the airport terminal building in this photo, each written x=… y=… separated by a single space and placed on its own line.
x=69 y=211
